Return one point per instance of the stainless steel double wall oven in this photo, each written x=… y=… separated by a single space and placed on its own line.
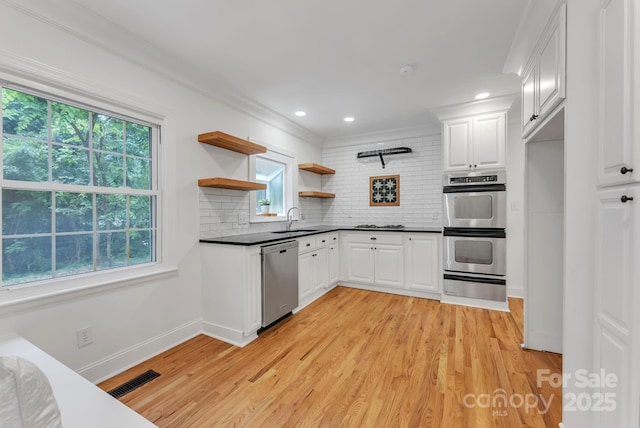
x=474 y=205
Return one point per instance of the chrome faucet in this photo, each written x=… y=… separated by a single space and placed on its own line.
x=290 y=220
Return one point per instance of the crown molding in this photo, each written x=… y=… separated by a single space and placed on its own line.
x=78 y=21
x=383 y=136
x=489 y=105
x=533 y=23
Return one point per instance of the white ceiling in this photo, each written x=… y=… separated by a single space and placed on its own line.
x=332 y=58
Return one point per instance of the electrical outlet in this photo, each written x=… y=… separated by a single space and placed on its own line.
x=301 y=216
x=84 y=336
x=243 y=218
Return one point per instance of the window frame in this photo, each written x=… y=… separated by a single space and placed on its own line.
x=290 y=184
x=117 y=110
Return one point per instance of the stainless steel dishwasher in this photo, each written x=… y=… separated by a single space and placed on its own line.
x=279 y=281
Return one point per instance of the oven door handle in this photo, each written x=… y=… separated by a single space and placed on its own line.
x=475 y=279
x=477 y=188
x=469 y=232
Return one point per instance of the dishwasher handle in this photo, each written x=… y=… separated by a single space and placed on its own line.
x=280 y=247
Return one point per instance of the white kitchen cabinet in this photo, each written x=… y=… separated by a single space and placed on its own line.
x=360 y=262
x=543 y=81
x=334 y=264
x=314 y=266
x=475 y=142
x=375 y=258
x=423 y=266
x=389 y=265
x=305 y=274
x=617 y=331
x=320 y=269
x=232 y=292
x=619 y=90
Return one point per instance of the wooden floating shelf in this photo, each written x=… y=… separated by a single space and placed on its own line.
x=309 y=194
x=229 y=142
x=314 y=167
x=228 y=183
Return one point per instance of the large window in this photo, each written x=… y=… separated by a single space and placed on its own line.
x=79 y=189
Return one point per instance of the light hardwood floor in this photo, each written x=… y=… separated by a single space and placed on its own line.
x=356 y=358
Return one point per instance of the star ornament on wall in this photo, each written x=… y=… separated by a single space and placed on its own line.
x=384 y=191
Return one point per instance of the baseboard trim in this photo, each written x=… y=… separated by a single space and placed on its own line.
x=515 y=292
x=475 y=303
x=226 y=334
x=114 y=364
x=391 y=290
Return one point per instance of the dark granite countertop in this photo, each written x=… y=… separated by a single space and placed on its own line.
x=268 y=237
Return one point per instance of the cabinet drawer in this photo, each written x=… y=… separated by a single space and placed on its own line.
x=323 y=240
x=379 y=238
x=306 y=244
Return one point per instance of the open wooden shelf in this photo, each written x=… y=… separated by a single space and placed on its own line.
x=228 y=183
x=314 y=167
x=313 y=194
x=229 y=142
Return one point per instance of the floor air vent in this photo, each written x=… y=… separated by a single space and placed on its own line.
x=134 y=383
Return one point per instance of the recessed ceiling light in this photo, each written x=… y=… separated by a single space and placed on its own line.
x=482 y=95
x=349 y=119
x=300 y=113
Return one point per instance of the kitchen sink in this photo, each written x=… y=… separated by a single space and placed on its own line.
x=296 y=231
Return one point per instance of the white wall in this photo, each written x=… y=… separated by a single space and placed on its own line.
x=134 y=319
x=515 y=203
x=420 y=182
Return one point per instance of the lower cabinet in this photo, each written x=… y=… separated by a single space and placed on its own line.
x=407 y=262
x=334 y=264
x=317 y=266
x=423 y=262
x=313 y=272
x=232 y=292
x=375 y=259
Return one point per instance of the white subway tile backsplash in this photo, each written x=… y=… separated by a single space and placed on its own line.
x=420 y=192
x=420 y=184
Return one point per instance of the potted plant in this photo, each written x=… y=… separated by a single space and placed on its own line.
x=265 y=205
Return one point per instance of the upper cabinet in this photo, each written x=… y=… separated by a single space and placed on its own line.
x=474 y=142
x=619 y=92
x=543 y=80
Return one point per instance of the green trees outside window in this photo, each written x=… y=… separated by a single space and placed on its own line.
x=78 y=190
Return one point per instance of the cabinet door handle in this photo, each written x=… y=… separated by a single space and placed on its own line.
x=308 y=245
x=533 y=117
x=323 y=241
x=624 y=170
x=626 y=198
x=373 y=238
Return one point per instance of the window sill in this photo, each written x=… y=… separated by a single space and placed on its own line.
x=267 y=219
x=59 y=289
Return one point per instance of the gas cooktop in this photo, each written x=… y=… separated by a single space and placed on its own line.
x=375 y=226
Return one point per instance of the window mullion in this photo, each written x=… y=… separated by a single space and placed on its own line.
x=54 y=196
